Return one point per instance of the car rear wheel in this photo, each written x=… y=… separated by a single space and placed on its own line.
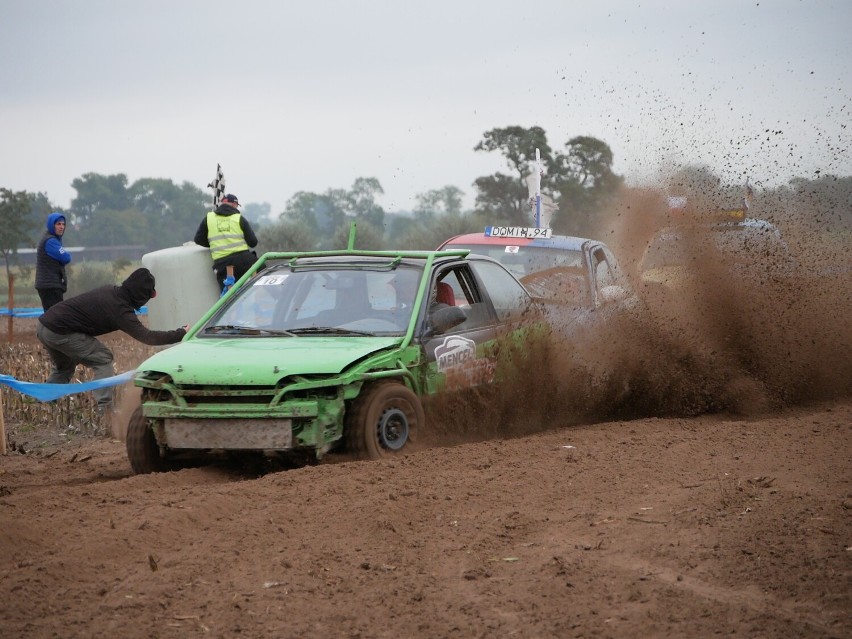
x=142 y=448
x=383 y=421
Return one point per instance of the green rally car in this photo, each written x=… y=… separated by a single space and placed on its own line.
x=311 y=352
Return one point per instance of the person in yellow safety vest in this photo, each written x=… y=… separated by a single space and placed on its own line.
x=230 y=239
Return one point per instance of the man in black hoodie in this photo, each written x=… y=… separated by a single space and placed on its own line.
x=68 y=329
x=229 y=237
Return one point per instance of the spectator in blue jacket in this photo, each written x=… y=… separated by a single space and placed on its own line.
x=50 y=280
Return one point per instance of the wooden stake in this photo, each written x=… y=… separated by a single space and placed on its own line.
x=11 y=304
x=2 y=428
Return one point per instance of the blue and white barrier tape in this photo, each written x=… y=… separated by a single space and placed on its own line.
x=23 y=311
x=49 y=392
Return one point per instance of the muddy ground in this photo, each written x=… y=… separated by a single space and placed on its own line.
x=686 y=527
x=684 y=472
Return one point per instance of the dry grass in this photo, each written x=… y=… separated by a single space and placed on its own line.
x=26 y=360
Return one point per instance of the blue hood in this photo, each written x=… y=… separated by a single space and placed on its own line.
x=52 y=219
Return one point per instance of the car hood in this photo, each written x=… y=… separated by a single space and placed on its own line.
x=261 y=360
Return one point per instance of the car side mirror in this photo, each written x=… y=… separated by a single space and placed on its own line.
x=446 y=317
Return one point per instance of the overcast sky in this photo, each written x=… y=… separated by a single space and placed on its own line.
x=306 y=96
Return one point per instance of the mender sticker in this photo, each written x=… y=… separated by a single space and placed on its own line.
x=457 y=360
x=454 y=351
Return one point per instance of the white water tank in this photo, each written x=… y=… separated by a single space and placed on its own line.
x=186 y=285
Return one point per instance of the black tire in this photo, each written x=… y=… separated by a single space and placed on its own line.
x=383 y=421
x=142 y=448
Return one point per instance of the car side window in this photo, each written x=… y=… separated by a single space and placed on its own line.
x=509 y=297
x=455 y=287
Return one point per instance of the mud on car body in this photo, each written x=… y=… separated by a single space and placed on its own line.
x=315 y=351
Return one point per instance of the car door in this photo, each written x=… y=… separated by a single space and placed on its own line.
x=493 y=303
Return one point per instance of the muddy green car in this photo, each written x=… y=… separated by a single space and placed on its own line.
x=312 y=352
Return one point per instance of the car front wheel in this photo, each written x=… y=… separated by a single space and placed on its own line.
x=383 y=421
x=143 y=452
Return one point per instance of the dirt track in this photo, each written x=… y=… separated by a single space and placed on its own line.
x=652 y=527
x=728 y=513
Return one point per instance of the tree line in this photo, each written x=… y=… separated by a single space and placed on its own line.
x=157 y=213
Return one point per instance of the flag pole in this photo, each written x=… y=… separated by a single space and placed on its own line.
x=538 y=189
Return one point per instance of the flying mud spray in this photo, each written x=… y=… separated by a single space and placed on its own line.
x=738 y=329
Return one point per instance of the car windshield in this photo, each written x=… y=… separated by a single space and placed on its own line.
x=333 y=299
x=526 y=260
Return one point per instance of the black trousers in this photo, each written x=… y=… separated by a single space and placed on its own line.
x=241 y=262
x=49 y=296
x=66 y=351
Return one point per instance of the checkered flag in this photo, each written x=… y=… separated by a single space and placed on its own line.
x=218 y=186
